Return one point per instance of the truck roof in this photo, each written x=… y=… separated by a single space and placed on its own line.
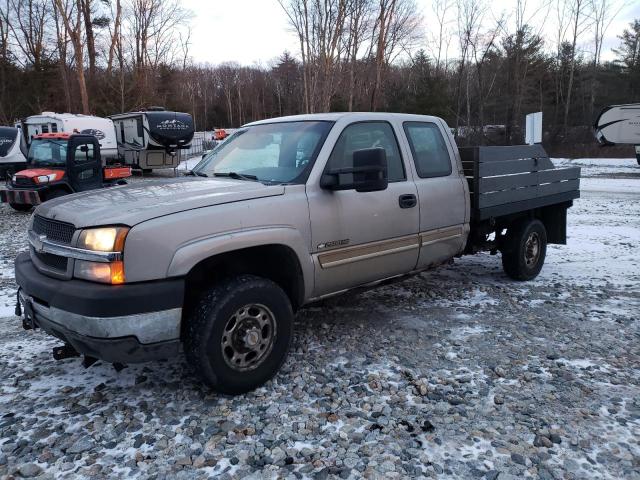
x=60 y=135
x=56 y=136
x=334 y=117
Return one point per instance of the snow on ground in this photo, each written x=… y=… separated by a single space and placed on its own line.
x=455 y=373
x=601 y=166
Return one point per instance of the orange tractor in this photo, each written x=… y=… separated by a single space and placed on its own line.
x=59 y=164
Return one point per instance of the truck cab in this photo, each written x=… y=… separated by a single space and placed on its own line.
x=285 y=212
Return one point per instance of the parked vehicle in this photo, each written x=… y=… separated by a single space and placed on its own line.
x=59 y=164
x=619 y=125
x=50 y=122
x=13 y=151
x=153 y=139
x=285 y=212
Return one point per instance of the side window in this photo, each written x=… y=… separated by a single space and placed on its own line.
x=360 y=136
x=84 y=153
x=429 y=150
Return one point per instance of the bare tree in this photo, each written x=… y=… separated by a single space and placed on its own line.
x=320 y=26
x=115 y=35
x=74 y=30
x=29 y=28
x=602 y=14
x=579 y=23
x=62 y=41
x=4 y=58
x=482 y=46
x=360 y=22
x=440 y=38
x=153 y=28
x=470 y=14
x=395 y=29
x=90 y=40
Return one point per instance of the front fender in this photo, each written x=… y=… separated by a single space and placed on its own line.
x=192 y=253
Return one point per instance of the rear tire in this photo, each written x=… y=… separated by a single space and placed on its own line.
x=238 y=335
x=524 y=250
x=21 y=207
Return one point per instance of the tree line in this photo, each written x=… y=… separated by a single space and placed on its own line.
x=479 y=71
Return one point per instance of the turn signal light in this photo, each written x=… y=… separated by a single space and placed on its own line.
x=112 y=273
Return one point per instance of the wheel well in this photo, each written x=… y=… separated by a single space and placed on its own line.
x=278 y=263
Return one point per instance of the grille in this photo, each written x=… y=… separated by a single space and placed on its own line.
x=53 y=261
x=23 y=181
x=56 y=231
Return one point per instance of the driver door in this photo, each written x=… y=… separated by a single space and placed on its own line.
x=84 y=165
x=361 y=237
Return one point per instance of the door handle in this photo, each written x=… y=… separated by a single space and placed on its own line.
x=407 y=201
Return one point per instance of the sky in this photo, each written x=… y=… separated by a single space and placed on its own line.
x=253 y=32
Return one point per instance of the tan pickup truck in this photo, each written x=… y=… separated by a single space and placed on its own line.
x=287 y=211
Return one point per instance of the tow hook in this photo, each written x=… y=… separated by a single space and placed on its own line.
x=64 y=352
x=28 y=320
x=18 y=310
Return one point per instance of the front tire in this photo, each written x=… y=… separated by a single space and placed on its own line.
x=524 y=250
x=238 y=336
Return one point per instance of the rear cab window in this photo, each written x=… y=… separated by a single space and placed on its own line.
x=428 y=148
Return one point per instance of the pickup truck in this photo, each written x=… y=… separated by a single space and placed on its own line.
x=287 y=211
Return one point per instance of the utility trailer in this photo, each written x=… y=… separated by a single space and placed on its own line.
x=511 y=182
x=619 y=125
x=153 y=139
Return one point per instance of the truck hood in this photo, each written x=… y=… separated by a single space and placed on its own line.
x=132 y=204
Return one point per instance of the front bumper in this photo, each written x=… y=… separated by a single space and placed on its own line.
x=21 y=196
x=119 y=324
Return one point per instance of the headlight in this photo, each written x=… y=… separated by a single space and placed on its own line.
x=46 y=178
x=104 y=239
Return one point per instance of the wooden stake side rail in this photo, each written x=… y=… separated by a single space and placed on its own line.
x=511 y=179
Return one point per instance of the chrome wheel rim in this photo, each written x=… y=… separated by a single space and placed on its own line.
x=532 y=249
x=248 y=337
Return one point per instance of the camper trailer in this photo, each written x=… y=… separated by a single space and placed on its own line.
x=13 y=151
x=619 y=125
x=50 y=122
x=153 y=139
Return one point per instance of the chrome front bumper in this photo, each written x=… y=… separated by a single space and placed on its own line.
x=124 y=339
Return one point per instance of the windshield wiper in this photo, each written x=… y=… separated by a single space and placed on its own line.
x=236 y=176
x=199 y=174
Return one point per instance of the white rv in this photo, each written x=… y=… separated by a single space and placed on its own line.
x=13 y=151
x=619 y=125
x=154 y=138
x=50 y=122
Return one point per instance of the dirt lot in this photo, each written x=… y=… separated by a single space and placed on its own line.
x=456 y=373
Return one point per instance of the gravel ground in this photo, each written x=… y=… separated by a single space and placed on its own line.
x=455 y=373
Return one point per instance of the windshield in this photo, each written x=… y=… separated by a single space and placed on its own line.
x=272 y=153
x=7 y=139
x=47 y=153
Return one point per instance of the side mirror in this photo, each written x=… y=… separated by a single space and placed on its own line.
x=84 y=148
x=369 y=172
